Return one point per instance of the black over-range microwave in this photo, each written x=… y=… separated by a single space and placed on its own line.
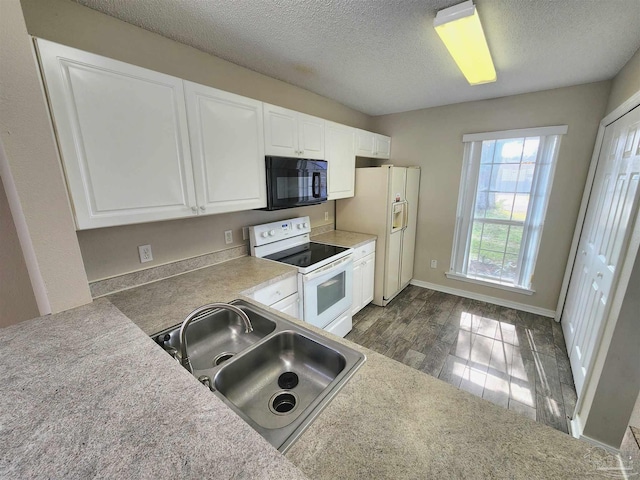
x=295 y=182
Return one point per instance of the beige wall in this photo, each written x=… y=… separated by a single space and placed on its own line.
x=72 y=24
x=31 y=167
x=432 y=139
x=626 y=83
x=113 y=251
x=17 y=301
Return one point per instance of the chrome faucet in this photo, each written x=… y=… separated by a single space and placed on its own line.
x=184 y=357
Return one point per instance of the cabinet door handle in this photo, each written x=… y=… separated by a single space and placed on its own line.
x=599 y=275
x=194 y=209
x=202 y=208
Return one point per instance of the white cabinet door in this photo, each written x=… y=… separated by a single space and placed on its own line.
x=368 y=275
x=364 y=143
x=341 y=159
x=292 y=134
x=382 y=147
x=281 y=131
x=311 y=137
x=289 y=305
x=356 y=304
x=122 y=132
x=227 y=146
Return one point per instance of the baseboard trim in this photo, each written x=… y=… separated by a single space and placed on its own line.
x=545 y=312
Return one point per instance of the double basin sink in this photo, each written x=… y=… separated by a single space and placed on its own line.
x=278 y=378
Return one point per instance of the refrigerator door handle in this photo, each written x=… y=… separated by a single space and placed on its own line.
x=405 y=221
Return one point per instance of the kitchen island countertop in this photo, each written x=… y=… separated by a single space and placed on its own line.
x=88 y=394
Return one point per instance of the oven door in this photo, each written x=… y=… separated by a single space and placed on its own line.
x=327 y=292
x=293 y=182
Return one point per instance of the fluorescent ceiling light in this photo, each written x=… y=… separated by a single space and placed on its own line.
x=460 y=29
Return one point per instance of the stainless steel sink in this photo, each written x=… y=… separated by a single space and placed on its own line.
x=215 y=337
x=279 y=377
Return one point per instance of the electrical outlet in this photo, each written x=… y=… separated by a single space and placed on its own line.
x=326 y=216
x=145 y=253
x=245 y=233
x=228 y=237
x=434 y=263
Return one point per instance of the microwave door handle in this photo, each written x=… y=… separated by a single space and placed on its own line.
x=316 y=194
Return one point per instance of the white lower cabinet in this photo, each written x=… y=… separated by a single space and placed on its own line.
x=363 y=276
x=289 y=305
x=281 y=296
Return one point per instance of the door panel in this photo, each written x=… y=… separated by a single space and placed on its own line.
x=227 y=143
x=608 y=222
x=123 y=136
x=341 y=159
x=280 y=131
x=409 y=234
x=311 y=131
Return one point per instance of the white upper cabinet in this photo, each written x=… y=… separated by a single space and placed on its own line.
x=227 y=147
x=341 y=158
x=122 y=132
x=372 y=145
x=293 y=134
x=382 y=146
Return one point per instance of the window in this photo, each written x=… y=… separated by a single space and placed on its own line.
x=504 y=192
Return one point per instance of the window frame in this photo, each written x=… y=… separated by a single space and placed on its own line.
x=546 y=161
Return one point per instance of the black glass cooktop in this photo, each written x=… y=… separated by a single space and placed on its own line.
x=307 y=254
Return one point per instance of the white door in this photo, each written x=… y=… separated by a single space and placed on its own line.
x=289 y=305
x=122 y=132
x=368 y=276
x=341 y=159
x=227 y=145
x=611 y=210
x=356 y=302
x=382 y=146
x=409 y=233
x=280 y=131
x=364 y=143
x=311 y=137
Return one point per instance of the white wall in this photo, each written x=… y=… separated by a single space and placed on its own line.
x=31 y=166
x=113 y=251
x=432 y=139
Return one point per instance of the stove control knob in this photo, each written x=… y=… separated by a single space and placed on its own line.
x=299 y=226
x=272 y=233
x=305 y=225
x=264 y=235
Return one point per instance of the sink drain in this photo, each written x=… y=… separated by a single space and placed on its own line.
x=283 y=403
x=223 y=357
x=288 y=380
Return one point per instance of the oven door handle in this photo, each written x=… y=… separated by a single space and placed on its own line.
x=315 y=192
x=333 y=266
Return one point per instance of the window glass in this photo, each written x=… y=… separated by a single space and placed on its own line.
x=501 y=219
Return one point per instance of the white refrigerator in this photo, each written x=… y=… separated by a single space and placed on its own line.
x=386 y=205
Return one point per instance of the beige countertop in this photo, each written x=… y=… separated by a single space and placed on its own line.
x=344 y=239
x=165 y=303
x=86 y=393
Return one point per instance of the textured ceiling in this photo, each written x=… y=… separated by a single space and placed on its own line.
x=383 y=56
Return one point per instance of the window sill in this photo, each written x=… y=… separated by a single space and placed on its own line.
x=489 y=283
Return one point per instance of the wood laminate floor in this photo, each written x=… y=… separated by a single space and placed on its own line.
x=514 y=359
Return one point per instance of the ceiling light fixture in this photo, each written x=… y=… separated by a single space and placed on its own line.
x=460 y=29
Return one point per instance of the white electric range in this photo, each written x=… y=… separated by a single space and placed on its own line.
x=325 y=272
